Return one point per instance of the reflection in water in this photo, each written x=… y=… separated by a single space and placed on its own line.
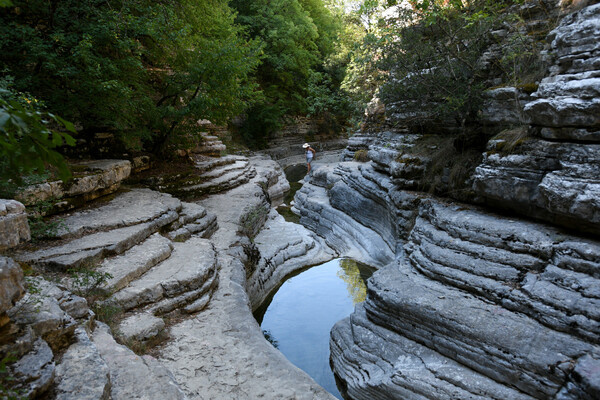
x=305 y=308
x=355 y=275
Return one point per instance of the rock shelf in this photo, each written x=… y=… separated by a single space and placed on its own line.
x=175 y=275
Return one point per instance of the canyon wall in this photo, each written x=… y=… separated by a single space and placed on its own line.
x=495 y=296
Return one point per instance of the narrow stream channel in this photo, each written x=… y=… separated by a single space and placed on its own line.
x=299 y=316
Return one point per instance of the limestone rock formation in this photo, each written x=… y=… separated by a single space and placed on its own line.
x=14 y=228
x=82 y=373
x=210 y=146
x=477 y=304
x=11 y=286
x=169 y=272
x=207 y=176
x=553 y=174
x=91 y=180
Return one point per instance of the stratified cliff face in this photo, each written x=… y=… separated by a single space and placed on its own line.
x=555 y=173
x=471 y=303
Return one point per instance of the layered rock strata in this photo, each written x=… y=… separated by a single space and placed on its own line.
x=478 y=304
x=14 y=228
x=92 y=179
x=209 y=175
x=475 y=305
x=161 y=271
x=553 y=173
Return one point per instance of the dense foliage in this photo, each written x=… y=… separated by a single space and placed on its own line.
x=142 y=69
x=28 y=140
x=299 y=73
x=432 y=56
x=147 y=70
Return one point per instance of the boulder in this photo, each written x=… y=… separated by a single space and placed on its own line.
x=34 y=372
x=11 y=286
x=141 y=327
x=14 y=228
x=133 y=376
x=82 y=373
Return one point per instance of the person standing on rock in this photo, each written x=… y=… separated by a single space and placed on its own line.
x=310 y=153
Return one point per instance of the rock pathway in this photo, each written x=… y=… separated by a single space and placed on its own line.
x=175 y=273
x=221 y=352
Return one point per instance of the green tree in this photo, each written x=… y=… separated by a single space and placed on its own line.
x=297 y=74
x=29 y=138
x=141 y=69
x=431 y=55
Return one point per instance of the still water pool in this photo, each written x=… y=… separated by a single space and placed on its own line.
x=304 y=309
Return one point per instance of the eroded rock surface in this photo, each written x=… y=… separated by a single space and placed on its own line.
x=476 y=305
x=11 y=286
x=98 y=178
x=553 y=173
x=14 y=228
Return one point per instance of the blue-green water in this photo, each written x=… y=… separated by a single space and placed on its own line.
x=305 y=308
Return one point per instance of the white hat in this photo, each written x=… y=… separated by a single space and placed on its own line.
x=306 y=145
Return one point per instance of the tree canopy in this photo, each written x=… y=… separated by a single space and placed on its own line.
x=139 y=68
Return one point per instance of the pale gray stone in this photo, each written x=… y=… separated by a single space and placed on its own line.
x=518 y=264
x=104 y=177
x=270 y=175
x=14 y=228
x=556 y=182
x=82 y=373
x=193 y=220
x=505 y=346
x=42 y=312
x=189 y=266
x=133 y=376
x=222 y=353
x=190 y=301
x=92 y=248
x=568 y=97
x=34 y=373
x=75 y=306
x=218 y=174
x=11 y=284
x=141 y=327
x=135 y=262
x=403 y=368
x=134 y=207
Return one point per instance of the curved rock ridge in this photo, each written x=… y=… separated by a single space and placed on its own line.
x=521 y=266
x=477 y=305
x=209 y=175
x=356 y=209
x=221 y=352
x=168 y=272
x=280 y=258
x=484 y=306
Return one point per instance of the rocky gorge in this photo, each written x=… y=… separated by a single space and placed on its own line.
x=148 y=289
x=492 y=297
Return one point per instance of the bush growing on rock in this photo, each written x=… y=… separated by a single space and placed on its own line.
x=440 y=56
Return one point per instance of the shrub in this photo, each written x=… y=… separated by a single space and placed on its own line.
x=361 y=155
